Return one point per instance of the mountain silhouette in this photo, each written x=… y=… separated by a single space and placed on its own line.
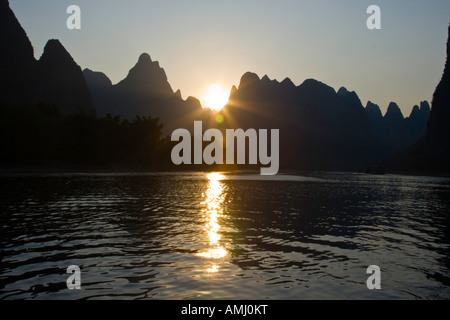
x=55 y=78
x=417 y=121
x=431 y=154
x=392 y=132
x=61 y=80
x=147 y=78
x=393 y=117
x=16 y=60
x=375 y=115
x=439 y=124
x=99 y=85
x=321 y=128
x=144 y=92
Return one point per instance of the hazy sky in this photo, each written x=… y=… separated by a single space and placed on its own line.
x=199 y=42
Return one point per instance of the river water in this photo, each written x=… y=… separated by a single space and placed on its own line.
x=224 y=236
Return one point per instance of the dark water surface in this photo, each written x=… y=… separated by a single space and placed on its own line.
x=212 y=236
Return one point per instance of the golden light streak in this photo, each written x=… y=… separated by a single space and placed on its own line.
x=212 y=212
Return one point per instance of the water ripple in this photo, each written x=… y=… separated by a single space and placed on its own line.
x=139 y=236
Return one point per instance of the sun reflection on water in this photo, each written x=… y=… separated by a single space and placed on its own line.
x=212 y=212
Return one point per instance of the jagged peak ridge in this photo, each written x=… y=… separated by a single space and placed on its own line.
x=55 y=53
x=247 y=79
x=144 y=58
x=146 y=61
x=393 y=112
x=343 y=91
x=425 y=106
x=351 y=97
x=288 y=82
x=373 y=110
x=96 y=78
x=439 y=122
x=313 y=83
x=13 y=32
x=372 y=106
x=147 y=75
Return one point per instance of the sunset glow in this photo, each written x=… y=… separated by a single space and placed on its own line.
x=216 y=98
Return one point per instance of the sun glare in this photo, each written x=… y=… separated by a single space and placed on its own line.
x=216 y=98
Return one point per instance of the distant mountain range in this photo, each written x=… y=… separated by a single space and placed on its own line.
x=319 y=127
x=322 y=128
x=431 y=153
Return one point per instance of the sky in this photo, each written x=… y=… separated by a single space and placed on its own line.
x=201 y=42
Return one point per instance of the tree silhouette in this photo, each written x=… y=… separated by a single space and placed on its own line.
x=41 y=135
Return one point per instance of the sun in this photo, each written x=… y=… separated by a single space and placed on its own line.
x=216 y=98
